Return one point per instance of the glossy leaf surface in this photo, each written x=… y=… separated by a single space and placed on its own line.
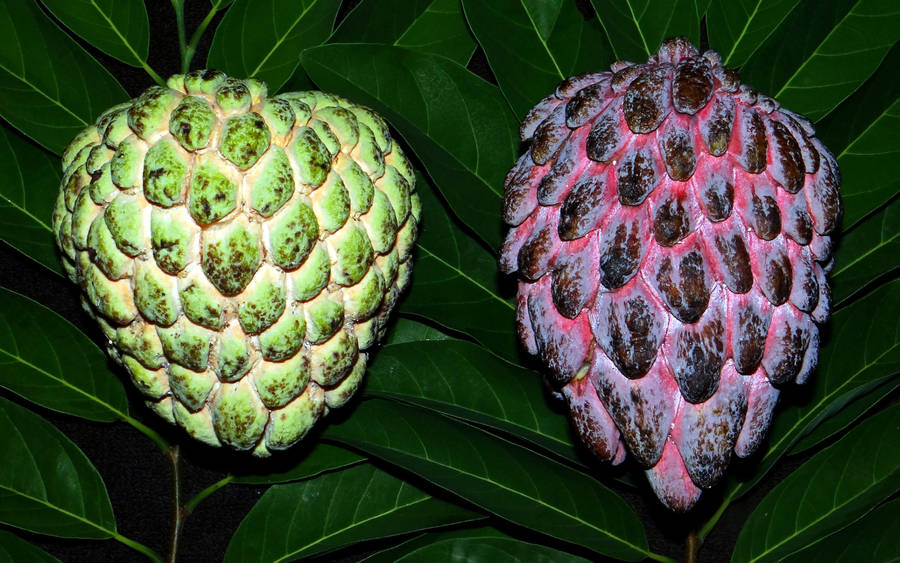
x=456 y=123
x=50 y=88
x=465 y=380
x=427 y=26
x=281 y=30
x=48 y=361
x=863 y=348
x=27 y=194
x=119 y=28
x=510 y=481
x=636 y=28
x=53 y=489
x=481 y=544
x=874 y=537
x=550 y=38
x=738 y=27
x=861 y=470
x=335 y=510
x=456 y=281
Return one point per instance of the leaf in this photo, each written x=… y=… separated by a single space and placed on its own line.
x=866 y=252
x=281 y=30
x=832 y=489
x=335 y=510
x=847 y=415
x=320 y=458
x=50 y=88
x=426 y=26
x=48 y=361
x=636 y=28
x=874 y=537
x=465 y=380
x=550 y=38
x=455 y=281
x=458 y=124
x=834 y=48
x=27 y=195
x=407 y=330
x=870 y=167
x=862 y=349
x=13 y=548
x=738 y=27
x=52 y=488
x=861 y=132
x=119 y=28
x=480 y=544
x=510 y=481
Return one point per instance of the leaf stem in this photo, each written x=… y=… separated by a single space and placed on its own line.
x=192 y=504
x=660 y=558
x=147 y=431
x=178 y=6
x=139 y=547
x=174 y=456
x=711 y=523
x=191 y=48
x=157 y=78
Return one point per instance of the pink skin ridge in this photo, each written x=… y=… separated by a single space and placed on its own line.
x=670 y=231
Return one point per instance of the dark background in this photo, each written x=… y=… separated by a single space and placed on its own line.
x=140 y=480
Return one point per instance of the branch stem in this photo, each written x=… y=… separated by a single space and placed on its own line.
x=691 y=547
x=180 y=512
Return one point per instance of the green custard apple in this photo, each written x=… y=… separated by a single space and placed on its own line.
x=241 y=253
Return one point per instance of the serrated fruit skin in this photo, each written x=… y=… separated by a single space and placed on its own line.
x=242 y=253
x=671 y=233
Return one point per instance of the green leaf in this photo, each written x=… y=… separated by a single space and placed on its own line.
x=847 y=415
x=480 y=544
x=50 y=88
x=636 y=28
x=27 y=194
x=866 y=252
x=13 y=549
x=738 y=27
x=458 y=124
x=426 y=26
x=833 y=48
x=861 y=350
x=48 y=361
x=335 y=510
x=281 y=30
x=407 y=330
x=465 y=380
x=508 y=480
x=320 y=458
x=874 y=537
x=832 y=489
x=861 y=131
x=455 y=281
x=119 y=28
x=550 y=38
x=50 y=487
x=870 y=167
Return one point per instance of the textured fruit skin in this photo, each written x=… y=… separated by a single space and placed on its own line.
x=240 y=252
x=670 y=230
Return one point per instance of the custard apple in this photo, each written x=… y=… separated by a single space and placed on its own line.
x=241 y=252
x=671 y=234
